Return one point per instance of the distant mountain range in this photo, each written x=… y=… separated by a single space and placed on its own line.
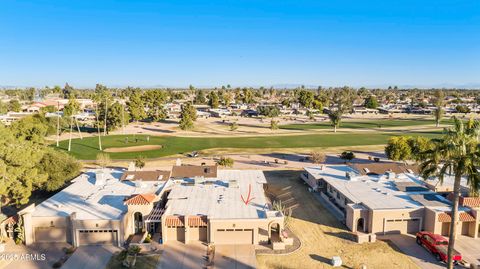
x=291 y=86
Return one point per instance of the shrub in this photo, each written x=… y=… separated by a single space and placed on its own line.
x=134 y=250
x=317 y=157
x=148 y=239
x=347 y=155
x=226 y=161
x=57 y=264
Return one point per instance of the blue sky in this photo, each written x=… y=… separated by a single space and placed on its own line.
x=204 y=43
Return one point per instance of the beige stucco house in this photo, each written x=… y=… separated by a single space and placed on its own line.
x=187 y=204
x=374 y=199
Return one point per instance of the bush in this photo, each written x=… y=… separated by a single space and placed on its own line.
x=69 y=250
x=225 y=161
x=57 y=264
x=140 y=162
x=134 y=250
x=148 y=239
x=347 y=155
x=317 y=157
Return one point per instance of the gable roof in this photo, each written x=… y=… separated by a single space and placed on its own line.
x=190 y=171
x=146 y=175
x=140 y=199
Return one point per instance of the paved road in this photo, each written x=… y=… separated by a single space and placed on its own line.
x=177 y=255
x=36 y=256
x=235 y=257
x=88 y=257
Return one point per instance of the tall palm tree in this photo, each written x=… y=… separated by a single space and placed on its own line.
x=456 y=154
x=438 y=113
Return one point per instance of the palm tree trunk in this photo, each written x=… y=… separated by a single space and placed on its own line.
x=335 y=129
x=453 y=224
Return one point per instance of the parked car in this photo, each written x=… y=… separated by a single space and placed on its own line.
x=437 y=245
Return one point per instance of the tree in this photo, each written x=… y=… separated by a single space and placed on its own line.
x=213 y=100
x=273 y=125
x=3 y=108
x=136 y=106
x=462 y=109
x=306 y=98
x=247 y=96
x=60 y=168
x=187 y=116
x=200 y=98
x=116 y=117
x=456 y=154
x=103 y=159
x=317 y=157
x=14 y=105
x=33 y=128
x=418 y=144
x=140 y=162
x=225 y=161
x=371 y=102
x=72 y=107
x=268 y=111
x=438 y=112
x=398 y=148
x=19 y=172
x=335 y=118
x=154 y=101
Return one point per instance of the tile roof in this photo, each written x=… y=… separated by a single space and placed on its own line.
x=175 y=221
x=146 y=175
x=197 y=221
x=470 y=201
x=184 y=171
x=463 y=216
x=10 y=220
x=141 y=199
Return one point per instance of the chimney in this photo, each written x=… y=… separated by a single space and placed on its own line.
x=178 y=162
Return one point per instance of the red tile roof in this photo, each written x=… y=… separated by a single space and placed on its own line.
x=197 y=221
x=470 y=201
x=175 y=221
x=140 y=199
x=463 y=216
x=10 y=220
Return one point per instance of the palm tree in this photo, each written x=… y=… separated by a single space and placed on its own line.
x=456 y=154
x=335 y=117
x=438 y=113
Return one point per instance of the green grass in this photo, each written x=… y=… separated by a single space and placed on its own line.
x=363 y=124
x=87 y=149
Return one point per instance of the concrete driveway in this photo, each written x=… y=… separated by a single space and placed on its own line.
x=177 y=255
x=234 y=257
x=407 y=244
x=35 y=256
x=87 y=257
x=469 y=248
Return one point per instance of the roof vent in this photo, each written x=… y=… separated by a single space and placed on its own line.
x=366 y=170
x=100 y=178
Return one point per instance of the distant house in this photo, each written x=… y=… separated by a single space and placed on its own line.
x=249 y=113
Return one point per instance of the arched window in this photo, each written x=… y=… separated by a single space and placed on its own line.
x=138 y=222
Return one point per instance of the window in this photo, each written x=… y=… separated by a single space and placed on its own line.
x=338 y=195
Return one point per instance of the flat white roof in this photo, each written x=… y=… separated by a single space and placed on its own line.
x=219 y=201
x=90 y=201
x=375 y=192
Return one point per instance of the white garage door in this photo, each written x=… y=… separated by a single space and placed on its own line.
x=50 y=234
x=402 y=226
x=233 y=236
x=97 y=237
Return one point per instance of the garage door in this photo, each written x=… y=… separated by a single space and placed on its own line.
x=402 y=226
x=234 y=236
x=176 y=233
x=50 y=234
x=97 y=237
x=198 y=234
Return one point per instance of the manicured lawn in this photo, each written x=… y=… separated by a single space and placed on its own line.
x=363 y=124
x=323 y=236
x=87 y=148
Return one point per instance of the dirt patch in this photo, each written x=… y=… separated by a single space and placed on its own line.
x=134 y=148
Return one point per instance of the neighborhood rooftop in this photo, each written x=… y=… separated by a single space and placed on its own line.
x=91 y=199
x=378 y=191
x=221 y=198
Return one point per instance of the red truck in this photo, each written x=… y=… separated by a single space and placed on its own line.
x=437 y=245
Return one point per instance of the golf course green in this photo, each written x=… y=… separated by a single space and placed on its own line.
x=364 y=124
x=87 y=148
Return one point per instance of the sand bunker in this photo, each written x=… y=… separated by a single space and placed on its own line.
x=134 y=148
